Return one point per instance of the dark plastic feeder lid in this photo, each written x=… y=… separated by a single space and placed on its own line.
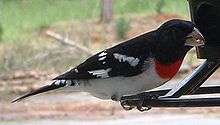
x=206 y=15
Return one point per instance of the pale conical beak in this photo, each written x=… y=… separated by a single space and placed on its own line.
x=195 y=38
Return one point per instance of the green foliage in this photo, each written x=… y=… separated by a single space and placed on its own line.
x=122 y=27
x=19 y=18
x=179 y=7
x=1 y=32
x=159 y=6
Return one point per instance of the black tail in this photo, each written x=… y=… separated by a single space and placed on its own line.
x=41 y=90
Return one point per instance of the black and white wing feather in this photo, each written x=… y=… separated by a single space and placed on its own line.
x=125 y=59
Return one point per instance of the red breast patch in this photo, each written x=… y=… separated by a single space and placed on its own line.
x=167 y=71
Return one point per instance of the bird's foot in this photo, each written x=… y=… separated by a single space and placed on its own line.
x=129 y=104
x=126 y=105
x=115 y=97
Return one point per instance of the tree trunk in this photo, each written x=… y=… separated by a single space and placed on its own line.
x=106 y=10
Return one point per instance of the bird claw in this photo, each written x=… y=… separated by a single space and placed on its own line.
x=141 y=108
x=131 y=104
x=126 y=106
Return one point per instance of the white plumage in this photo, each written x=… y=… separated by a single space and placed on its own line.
x=118 y=86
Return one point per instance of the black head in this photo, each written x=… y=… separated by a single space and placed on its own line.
x=174 y=39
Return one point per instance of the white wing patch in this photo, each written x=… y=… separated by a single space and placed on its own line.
x=63 y=82
x=123 y=58
x=102 y=58
x=102 y=54
x=103 y=73
x=76 y=70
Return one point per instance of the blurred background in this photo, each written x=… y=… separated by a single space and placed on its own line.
x=40 y=39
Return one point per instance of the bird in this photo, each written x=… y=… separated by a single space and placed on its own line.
x=138 y=64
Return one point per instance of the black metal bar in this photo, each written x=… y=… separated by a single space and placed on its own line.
x=201 y=90
x=191 y=83
x=207 y=90
x=176 y=102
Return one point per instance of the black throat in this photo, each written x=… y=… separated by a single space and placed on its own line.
x=168 y=51
x=169 y=55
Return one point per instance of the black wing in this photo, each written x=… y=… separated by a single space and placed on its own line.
x=125 y=59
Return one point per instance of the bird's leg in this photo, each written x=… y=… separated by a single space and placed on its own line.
x=114 y=97
x=141 y=108
x=126 y=105
x=128 y=102
x=131 y=104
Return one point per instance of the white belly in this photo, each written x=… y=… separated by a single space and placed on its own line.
x=119 y=86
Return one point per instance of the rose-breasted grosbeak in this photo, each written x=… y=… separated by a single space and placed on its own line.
x=136 y=65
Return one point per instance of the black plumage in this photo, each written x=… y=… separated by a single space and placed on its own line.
x=159 y=44
x=138 y=47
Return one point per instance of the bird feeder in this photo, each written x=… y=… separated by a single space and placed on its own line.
x=206 y=15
